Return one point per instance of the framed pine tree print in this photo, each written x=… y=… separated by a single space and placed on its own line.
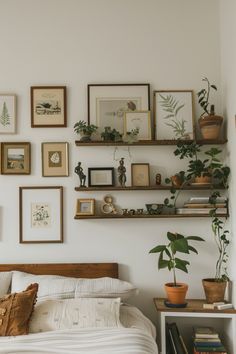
x=7 y=114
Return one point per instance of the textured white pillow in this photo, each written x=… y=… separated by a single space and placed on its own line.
x=58 y=287
x=5 y=282
x=51 y=315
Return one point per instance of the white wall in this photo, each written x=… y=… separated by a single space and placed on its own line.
x=170 y=44
x=228 y=59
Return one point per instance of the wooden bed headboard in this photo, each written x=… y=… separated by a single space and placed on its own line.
x=76 y=270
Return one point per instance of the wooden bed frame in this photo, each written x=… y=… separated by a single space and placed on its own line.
x=76 y=270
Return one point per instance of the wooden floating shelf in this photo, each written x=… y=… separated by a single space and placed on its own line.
x=150 y=188
x=146 y=216
x=149 y=143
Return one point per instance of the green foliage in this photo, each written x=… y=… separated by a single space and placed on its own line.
x=167 y=257
x=85 y=128
x=5 y=117
x=203 y=96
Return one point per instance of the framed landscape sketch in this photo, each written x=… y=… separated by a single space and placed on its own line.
x=41 y=214
x=15 y=158
x=7 y=114
x=55 y=159
x=48 y=106
x=107 y=103
x=140 y=120
x=173 y=112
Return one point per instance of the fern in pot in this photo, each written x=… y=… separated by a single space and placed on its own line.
x=168 y=258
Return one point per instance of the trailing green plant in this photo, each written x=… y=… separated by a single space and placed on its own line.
x=85 y=128
x=204 y=95
x=168 y=253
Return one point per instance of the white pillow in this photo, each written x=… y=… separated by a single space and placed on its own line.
x=5 y=282
x=58 y=287
x=53 y=315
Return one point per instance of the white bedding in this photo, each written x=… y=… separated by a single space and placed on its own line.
x=137 y=339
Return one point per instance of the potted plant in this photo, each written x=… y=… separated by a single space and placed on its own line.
x=85 y=130
x=209 y=122
x=176 y=292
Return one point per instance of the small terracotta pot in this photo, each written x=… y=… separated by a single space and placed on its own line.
x=176 y=181
x=203 y=179
x=176 y=294
x=210 y=126
x=214 y=290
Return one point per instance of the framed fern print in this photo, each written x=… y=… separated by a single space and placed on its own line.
x=7 y=114
x=173 y=115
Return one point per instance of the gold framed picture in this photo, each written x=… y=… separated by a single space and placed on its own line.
x=140 y=174
x=15 y=158
x=55 y=162
x=48 y=106
x=85 y=207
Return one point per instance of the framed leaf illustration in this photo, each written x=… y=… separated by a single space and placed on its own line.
x=173 y=114
x=7 y=114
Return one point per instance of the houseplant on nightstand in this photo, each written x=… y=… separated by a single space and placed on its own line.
x=176 y=292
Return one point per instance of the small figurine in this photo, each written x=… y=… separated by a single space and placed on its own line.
x=121 y=171
x=80 y=173
x=158 y=179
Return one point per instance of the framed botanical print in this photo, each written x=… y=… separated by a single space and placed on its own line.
x=15 y=158
x=85 y=207
x=55 y=159
x=140 y=120
x=41 y=214
x=101 y=177
x=173 y=112
x=48 y=106
x=140 y=174
x=7 y=114
x=107 y=103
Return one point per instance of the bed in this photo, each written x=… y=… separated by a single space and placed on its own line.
x=134 y=335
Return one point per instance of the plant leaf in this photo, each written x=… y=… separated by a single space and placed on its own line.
x=157 y=249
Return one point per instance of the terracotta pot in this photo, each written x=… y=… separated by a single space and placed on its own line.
x=176 y=294
x=203 y=179
x=176 y=181
x=210 y=126
x=214 y=290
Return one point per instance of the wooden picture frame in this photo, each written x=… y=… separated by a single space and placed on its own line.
x=85 y=207
x=140 y=120
x=140 y=174
x=48 y=106
x=41 y=214
x=7 y=113
x=55 y=159
x=15 y=158
x=173 y=115
x=107 y=103
x=101 y=177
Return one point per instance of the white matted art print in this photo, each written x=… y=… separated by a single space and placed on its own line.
x=7 y=114
x=140 y=120
x=41 y=214
x=173 y=112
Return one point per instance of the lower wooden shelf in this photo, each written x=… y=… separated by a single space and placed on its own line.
x=145 y=216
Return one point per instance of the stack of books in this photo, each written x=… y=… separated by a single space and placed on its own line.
x=201 y=205
x=207 y=341
x=174 y=341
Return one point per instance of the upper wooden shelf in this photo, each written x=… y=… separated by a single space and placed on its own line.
x=149 y=143
x=150 y=188
x=146 y=216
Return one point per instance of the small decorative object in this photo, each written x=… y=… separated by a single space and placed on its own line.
x=178 y=179
x=140 y=120
x=85 y=207
x=41 y=214
x=7 y=114
x=55 y=160
x=80 y=173
x=48 y=106
x=158 y=179
x=15 y=158
x=140 y=174
x=85 y=130
x=107 y=103
x=101 y=177
x=132 y=136
x=139 y=211
x=210 y=124
x=111 y=135
x=108 y=207
x=121 y=172
x=125 y=211
x=173 y=112
x=154 y=209
x=131 y=212
x=176 y=292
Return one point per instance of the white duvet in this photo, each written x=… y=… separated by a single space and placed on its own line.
x=136 y=337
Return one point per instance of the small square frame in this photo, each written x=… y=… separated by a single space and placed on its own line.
x=140 y=174
x=7 y=113
x=85 y=207
x=15 y=158
x=101 y=177
x=140 y=120
x=55 y=162
x=48 y=106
